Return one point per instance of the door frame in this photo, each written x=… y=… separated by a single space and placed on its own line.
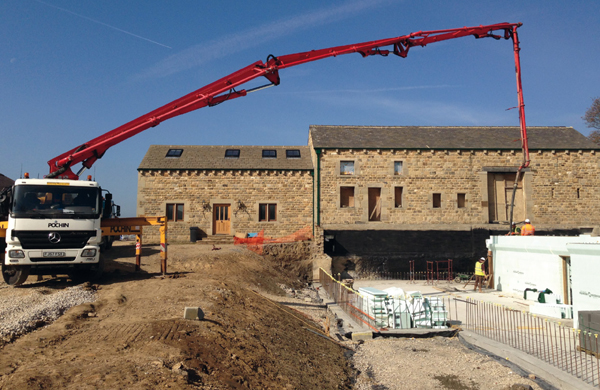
x=215 y=207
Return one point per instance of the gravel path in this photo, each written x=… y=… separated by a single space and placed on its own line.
x=435 y=363
x=22 y=312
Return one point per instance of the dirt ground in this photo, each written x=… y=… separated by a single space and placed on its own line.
x=134 y=336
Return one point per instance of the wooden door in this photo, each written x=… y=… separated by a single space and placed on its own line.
x=500 y=188
x=221 y=219
x=374 y=204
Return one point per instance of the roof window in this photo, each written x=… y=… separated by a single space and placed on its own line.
x=232 y=153
x=269 y=153
x=292 y=153
x=174 y=153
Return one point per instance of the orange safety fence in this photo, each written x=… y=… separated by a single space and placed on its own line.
x=257 y=243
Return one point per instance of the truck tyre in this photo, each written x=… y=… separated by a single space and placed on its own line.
x=14 y=275
x=81 y=275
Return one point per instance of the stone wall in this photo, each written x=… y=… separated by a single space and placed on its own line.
x=199 y=191
x=559 y=190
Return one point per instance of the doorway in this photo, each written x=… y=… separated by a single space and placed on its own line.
x=567 y=291
x=221 y=219
x=500 y=188
x=374 y=204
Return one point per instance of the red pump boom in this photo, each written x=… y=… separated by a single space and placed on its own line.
x=224 y=89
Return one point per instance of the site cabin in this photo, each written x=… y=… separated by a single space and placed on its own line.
x=224 y=190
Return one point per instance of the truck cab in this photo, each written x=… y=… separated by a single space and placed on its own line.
x=51 y=226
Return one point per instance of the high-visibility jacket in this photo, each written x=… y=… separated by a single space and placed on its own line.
x=527 y=230
x=478 y=269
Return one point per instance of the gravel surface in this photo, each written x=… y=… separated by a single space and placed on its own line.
x=434 y=363
x=21 y=313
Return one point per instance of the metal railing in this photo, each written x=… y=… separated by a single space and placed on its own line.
x=568 y=349
x=350 y=301
x=458 y=277
x=571 y=350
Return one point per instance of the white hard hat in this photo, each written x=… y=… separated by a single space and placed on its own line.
x=482 y=259
x=527 y=220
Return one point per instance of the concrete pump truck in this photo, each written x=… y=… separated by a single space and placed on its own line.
x=54 y=224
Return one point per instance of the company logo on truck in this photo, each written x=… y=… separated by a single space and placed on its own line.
x=54 y=237
x=57 y=224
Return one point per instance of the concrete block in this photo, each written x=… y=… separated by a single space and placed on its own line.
x=193 y=313
x=356 y=336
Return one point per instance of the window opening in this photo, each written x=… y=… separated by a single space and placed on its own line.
x=232 y=153
x=174 y=153
x=174 y=212
x=269 y=153
x=461 y=200
x=346 y=196
x=347 y=168
x=267 y=212
x=398 y=167
x=398 y=197
x=292 y=153
x=437 y=201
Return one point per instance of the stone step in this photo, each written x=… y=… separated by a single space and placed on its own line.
x=216 y=240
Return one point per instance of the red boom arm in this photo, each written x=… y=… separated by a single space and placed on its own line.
x=224 y=89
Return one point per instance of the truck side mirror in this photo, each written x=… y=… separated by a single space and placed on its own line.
x=118 y=214
x=107 y=206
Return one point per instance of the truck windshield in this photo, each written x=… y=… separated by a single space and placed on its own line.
x=55 y=201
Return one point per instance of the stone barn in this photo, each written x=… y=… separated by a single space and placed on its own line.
x=391 y=194
x=224 y=190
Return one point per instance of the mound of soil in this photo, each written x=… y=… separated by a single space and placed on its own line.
x=134 y=336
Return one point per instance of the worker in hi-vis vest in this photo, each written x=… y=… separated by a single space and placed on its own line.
x=527 y=229
x=479 y=274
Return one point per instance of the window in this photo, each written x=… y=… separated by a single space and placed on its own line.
x=346 y=167
x=292 y=153
x=232 y=153
x=398 y=197
x=397 y=167
x=269 y=153
x=267 y=212
x=175 y=153
x=437 y=201
x=461 y=200
x=346 y=196
x=175 y=212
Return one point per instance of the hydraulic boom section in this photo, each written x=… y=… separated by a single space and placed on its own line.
x=224 y=89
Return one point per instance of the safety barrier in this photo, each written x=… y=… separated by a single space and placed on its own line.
x=346 y=298
x=568 y=349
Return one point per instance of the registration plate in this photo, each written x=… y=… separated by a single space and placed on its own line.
x=54 y=254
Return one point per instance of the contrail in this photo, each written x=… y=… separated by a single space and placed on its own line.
x=228 y=44
x=103 y=24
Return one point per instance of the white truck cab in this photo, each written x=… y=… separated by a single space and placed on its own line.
x=53 y=226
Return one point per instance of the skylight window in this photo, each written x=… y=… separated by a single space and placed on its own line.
x=175 y=153
x=232 y=153
x=269 y=153
x=292 y=153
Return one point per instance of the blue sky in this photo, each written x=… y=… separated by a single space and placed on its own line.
x=71 y=70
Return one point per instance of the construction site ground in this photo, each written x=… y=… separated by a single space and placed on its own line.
x=254 y=335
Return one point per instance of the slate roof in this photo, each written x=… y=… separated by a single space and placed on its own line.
x=213 y=157
x=422 y=137
x=5 y=181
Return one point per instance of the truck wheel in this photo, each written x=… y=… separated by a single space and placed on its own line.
x=14 y=275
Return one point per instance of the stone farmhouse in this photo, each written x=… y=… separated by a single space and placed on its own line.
x=379 y=193
x=224 y=190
